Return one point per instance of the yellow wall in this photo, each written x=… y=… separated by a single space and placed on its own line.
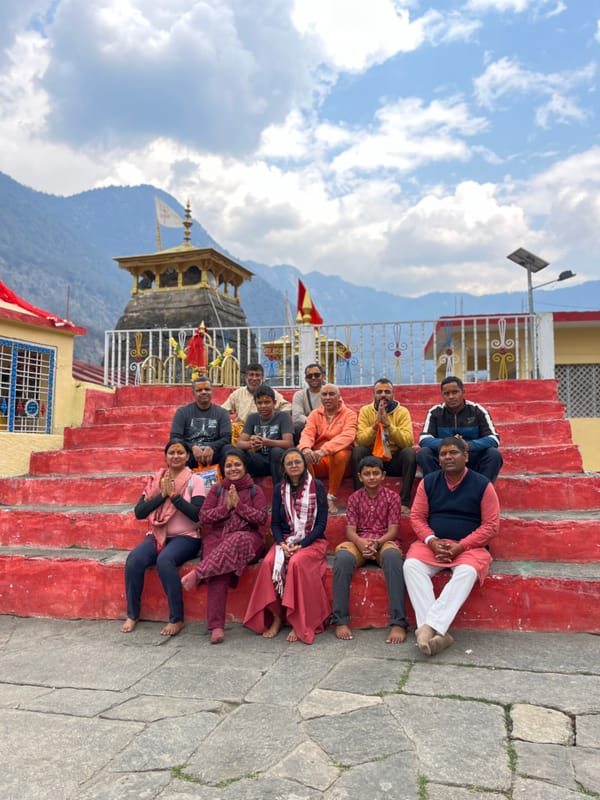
x=16 y=448
x=577 y=345
x=586 y=434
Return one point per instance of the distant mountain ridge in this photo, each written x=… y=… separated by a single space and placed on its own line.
x=50 y=245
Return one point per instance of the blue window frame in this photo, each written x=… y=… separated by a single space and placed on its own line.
x=27 y=375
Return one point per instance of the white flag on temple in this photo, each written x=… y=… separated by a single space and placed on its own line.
x=166 y=216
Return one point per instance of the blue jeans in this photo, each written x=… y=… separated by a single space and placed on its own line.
x=176 y=551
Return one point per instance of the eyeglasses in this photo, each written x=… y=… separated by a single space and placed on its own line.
x=313 y=375
x=296 y=462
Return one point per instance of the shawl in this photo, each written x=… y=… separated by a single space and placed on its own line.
x=160 y=517
x=234 y=521
x=301 y=513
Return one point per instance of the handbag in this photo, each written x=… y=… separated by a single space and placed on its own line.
x=381 y=447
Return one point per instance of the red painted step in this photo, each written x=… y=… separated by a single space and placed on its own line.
x=76 y=518
x=547 y=458
x=77 y=585
x=427 y=394
x=521 y=433
x=547 y=537
x=34 y=526
x=523 y=412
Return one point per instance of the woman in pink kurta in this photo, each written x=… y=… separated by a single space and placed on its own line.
x=289 y=586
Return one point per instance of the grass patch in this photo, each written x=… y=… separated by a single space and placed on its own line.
x=228 y=781
x=177 y=772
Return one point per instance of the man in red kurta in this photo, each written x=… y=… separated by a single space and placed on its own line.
x=454 y=515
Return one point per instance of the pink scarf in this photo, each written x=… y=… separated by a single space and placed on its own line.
x=160 y=517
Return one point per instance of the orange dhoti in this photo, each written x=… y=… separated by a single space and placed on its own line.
x=335 y=468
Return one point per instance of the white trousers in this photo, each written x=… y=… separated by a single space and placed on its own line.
x=440 y=613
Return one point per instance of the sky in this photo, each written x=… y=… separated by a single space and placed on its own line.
x=399 y=144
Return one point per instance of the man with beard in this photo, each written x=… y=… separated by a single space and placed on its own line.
x=396 y=426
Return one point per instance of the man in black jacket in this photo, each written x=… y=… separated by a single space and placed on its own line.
x=464 y=420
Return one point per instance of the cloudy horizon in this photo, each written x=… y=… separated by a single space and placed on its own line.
x=403 y=144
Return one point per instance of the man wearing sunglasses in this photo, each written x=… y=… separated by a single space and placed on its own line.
x=306 y=400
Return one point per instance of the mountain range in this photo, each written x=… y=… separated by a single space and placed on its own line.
x=57 y=253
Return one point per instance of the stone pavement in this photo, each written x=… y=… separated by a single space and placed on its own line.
x=87 y=712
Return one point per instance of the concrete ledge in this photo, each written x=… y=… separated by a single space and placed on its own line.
x=84 y=584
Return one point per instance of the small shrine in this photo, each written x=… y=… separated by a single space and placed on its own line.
x=183 y=286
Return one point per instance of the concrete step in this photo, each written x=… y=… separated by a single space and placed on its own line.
x=123 y=434
x=568 y=537
x=552 y=492
x=546 y=458
x=67 y=584
x=500 y=412
x=493 y=392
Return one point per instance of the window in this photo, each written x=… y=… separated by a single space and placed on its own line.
x=578 y=389
x=26 y=387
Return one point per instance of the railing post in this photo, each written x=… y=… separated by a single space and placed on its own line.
x=306 y=348
x=545 y=345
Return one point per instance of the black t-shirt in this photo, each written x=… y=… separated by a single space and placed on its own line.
x=280 y=423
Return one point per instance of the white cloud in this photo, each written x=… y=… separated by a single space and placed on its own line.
x=506 y=77
x=454 y=26
x=558 y=109
x=232 y=103
x=189 y=69
x=354 y=34
x=516 y=6
x=409 y=133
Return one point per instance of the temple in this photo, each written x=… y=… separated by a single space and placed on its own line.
x=182 y=287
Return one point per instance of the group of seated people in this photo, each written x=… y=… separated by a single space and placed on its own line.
x=454 y=513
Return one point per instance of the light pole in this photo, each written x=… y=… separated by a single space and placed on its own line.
x=564 y=276
x=531 y=263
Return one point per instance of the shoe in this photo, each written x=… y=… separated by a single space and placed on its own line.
x=439 y=643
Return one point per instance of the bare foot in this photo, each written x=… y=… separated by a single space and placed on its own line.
x=172 y=628
x=273 y=629
x=292 y=636
x=189 y=581
x=396 y=635
x=128 y=625
x=406 y=509
x=217 y=635
x=343 y=632
x=332 y=507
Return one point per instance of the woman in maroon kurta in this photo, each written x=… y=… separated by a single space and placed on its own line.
x=231 y=517
x=289 y=586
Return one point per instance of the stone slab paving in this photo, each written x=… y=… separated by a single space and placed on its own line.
x=89 y=713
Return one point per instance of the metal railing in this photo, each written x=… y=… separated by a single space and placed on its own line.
x=414 y=352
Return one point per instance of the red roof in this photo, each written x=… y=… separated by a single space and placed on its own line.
x=14 y=307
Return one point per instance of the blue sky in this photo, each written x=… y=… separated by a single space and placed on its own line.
x=406 y=144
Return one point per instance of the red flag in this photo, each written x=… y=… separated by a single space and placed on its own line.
x=306 y=306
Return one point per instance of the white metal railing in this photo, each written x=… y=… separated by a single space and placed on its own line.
x=413 y=352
